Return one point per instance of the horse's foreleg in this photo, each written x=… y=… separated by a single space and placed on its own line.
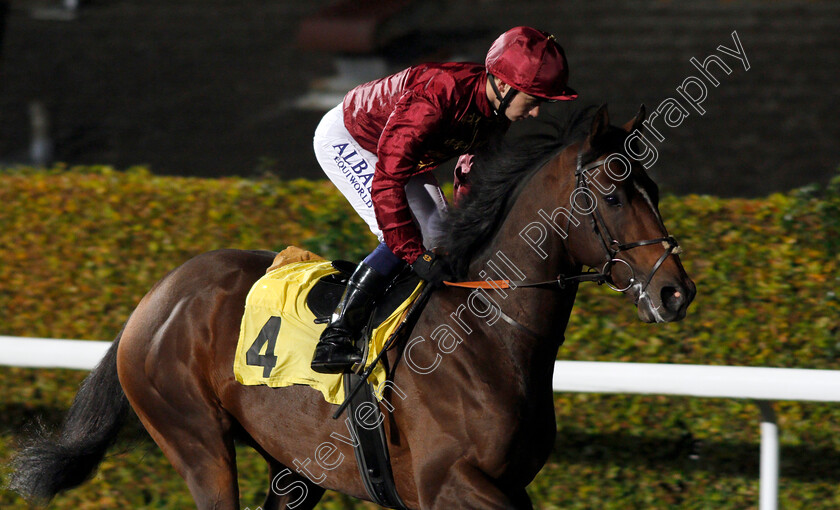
x=465 y=486
x=521 y=499
x=289 y=490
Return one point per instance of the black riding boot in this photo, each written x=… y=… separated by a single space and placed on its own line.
x=336 y=351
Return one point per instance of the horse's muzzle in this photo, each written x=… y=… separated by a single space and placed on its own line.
x=668 y=303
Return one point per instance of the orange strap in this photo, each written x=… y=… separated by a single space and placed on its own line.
x=491 y=284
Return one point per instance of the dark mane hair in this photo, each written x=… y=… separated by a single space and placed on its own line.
x=496 y=179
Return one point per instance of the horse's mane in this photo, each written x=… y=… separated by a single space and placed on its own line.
x=496 y=179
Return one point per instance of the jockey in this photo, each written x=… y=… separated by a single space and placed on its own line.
x=380 y=144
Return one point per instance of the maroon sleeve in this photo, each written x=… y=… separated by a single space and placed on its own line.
x=400 y=149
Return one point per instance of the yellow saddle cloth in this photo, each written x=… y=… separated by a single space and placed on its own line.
x=278 y=334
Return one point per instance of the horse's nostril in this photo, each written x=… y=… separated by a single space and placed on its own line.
x=673 y=298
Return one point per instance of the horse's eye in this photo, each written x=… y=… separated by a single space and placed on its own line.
x=612 y=200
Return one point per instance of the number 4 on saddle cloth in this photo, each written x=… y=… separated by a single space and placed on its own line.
x=288 y=308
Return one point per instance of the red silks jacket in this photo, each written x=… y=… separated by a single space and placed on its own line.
x=413 y=121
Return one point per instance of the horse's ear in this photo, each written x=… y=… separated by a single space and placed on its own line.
x=599 y=123
x=636 y=123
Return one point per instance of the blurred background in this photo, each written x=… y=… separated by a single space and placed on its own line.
x=212 y=88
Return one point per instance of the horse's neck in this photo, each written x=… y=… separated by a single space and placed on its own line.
x=543 y=312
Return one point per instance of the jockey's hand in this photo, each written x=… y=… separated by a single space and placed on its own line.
x=433 y=268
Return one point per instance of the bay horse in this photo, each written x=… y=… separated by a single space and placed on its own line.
x=468 y=409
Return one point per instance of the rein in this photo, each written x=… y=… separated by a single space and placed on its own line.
x=559 y=283
x=612 y=247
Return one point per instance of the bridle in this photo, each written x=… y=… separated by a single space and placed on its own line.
x=612 y=247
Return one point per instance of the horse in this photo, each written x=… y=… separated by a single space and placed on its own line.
x=468 y=408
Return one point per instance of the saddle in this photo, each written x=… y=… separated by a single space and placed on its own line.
x=325 y=295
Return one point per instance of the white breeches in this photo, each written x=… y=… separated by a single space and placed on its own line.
x=351 y=169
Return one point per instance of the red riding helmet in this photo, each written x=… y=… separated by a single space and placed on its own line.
x=532 y=62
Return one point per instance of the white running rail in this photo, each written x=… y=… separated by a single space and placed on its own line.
x=51 y=353
x=761 y=384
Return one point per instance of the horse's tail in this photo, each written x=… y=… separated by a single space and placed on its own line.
x=49 y=465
